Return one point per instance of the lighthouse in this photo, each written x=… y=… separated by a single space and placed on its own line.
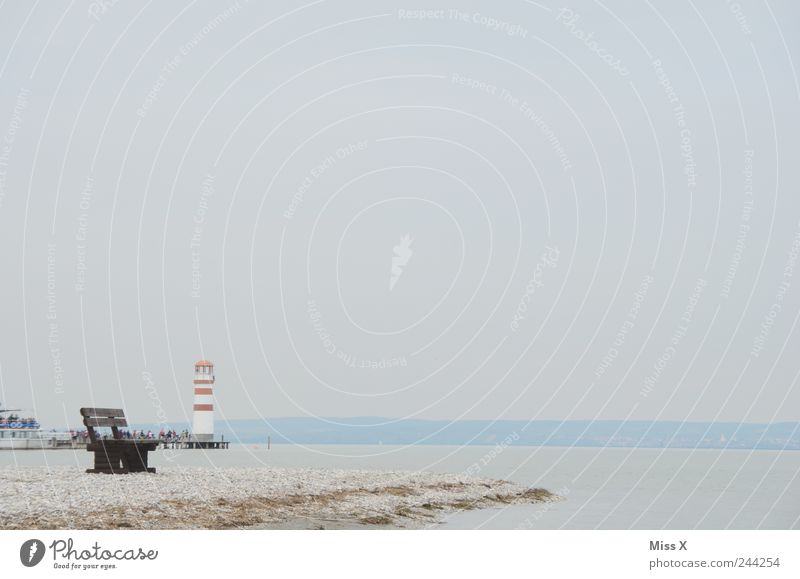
x=203 y=409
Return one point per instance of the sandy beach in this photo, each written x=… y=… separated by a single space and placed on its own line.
x=232 y=498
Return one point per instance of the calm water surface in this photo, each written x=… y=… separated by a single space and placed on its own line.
x=602 y=488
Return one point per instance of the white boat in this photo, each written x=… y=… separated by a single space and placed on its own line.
x=18 y=433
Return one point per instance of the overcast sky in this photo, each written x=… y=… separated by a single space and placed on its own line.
x=514 y=210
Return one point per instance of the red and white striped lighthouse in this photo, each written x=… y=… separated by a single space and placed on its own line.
x=203 y=416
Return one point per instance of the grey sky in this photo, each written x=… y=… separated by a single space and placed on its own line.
x=231 y=180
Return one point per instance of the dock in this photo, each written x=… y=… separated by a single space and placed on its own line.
x=195 y=444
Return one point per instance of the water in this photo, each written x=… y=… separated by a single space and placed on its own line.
x=603 y=488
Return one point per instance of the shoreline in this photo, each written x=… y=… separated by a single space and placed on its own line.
x=245 y=498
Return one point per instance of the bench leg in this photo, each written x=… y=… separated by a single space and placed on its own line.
x=108 y=461
x=136 y=459
x=121 y=458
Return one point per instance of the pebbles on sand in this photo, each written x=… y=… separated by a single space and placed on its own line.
x=203 y=498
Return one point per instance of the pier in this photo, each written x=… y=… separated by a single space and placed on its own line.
x=194 y=444
x=63 y=443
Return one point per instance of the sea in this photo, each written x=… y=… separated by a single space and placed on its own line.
x=600 y=488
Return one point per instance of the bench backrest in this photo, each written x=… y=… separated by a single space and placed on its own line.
x=108 y=417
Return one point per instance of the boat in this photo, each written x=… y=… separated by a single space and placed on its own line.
x=25 y=433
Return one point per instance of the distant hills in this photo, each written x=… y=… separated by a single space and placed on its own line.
x=604 y=433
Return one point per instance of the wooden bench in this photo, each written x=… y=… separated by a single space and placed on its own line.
x=115 y=455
